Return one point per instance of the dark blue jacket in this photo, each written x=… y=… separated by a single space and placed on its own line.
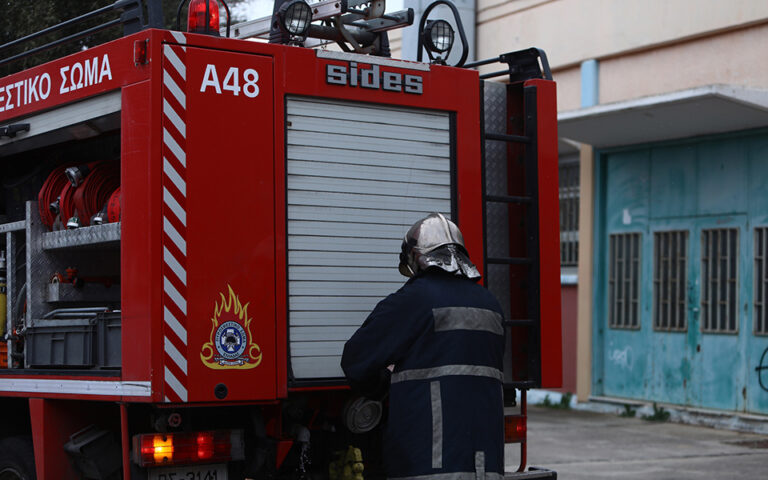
x=445 y=337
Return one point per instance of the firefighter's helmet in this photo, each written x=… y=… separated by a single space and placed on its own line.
x=435 y=241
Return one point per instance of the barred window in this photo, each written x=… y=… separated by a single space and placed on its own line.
x=670 y=266
x=569 y=211
x=719 y=275
x=760 y=283
x=623 y=280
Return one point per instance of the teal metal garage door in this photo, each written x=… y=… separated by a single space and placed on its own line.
x=679 y=274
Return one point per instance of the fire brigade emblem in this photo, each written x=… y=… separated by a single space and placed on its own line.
x=230 y=345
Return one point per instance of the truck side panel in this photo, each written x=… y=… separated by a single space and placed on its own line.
x=225 y=190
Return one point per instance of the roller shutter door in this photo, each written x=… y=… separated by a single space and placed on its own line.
x=358 y=175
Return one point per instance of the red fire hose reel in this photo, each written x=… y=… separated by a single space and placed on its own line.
x=113 y=207
x=77 y=196
x=48 y=202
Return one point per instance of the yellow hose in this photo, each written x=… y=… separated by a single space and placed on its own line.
x=3 y=303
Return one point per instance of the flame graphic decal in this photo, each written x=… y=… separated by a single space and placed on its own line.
x=230 y=344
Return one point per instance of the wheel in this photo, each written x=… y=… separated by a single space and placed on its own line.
x=17 y=459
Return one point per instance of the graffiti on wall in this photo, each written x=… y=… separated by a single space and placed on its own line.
x=623 y=358
x=762 y=370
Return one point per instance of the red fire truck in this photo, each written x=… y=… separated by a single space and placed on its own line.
x=192 y=226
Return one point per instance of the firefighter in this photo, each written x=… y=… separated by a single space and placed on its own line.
x=442 y=337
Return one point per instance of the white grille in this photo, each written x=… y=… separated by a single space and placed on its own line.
x=670 y=273
x=719 y=278
x=761 y=281
x=623 y=282
x=358 y=176
x=568 y=176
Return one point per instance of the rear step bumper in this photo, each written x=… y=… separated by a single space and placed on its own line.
x=533 y=472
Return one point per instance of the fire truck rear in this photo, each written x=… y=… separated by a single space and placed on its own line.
x=193 y=225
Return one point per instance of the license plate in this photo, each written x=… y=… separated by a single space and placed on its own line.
x=192 y=472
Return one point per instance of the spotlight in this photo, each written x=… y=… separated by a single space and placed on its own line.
x=295 y=17
x=438 y=36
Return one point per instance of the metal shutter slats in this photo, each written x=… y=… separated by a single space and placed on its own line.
x=348 y=141
x=310 y=334
x=358 y=176
x=349 y=244
x=361 y=289
x=352 y=157
x=340 y=303
x=339 y=229
x=316 y=348
x=366 y=187
x=370 y=130
x=310 y=319
x=335 y=199
x=343 y=171
x=366 y=113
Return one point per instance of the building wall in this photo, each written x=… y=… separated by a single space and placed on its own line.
x=572 y=31
x=732 y=57
x=641 y=49
x=706 y=189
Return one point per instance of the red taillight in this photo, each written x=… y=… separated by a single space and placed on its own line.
x=140 y=52
x=206 y=447
x=196 y=17
x=514 y=429
x=155 y=449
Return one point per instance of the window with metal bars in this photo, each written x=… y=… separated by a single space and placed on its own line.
x=623 y=280
x=719 y=276
x=670 y=266
x=569 y=211
x=760 y=283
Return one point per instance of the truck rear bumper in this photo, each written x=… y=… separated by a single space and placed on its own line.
x=533 y=472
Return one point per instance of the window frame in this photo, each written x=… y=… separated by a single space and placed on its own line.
x=705 y=282
x=756 y=282
x=681 y=270
x=569 y=247
x=634 y=313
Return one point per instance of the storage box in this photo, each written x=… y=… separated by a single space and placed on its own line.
x=75 y=343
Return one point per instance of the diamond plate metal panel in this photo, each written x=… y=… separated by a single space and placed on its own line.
x=496 y=214
x=96 y=234
x=495 y=151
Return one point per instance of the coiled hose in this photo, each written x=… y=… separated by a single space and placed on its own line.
x=79 y=193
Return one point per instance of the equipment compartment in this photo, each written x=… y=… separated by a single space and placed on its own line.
x=57 y=269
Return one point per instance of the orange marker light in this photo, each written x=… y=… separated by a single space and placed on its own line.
x=158 y=447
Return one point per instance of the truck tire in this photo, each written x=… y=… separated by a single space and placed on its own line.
x=17 y=459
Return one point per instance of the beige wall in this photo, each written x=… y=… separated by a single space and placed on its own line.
x=572 y=31
x=735 y=58
x=396 y=42
x=643 y=47
x=568 y=88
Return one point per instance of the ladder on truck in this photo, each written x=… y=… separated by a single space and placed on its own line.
x=511 y=176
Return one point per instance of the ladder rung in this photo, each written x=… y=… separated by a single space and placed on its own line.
x=494 y=74
x=510 y=260
x=507 y=138
x=521 y=384
x=508 y=199
x=519 y=322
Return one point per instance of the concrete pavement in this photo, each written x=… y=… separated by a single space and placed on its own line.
x=583 y=445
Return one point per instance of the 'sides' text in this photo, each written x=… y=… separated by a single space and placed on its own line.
x=373 y=78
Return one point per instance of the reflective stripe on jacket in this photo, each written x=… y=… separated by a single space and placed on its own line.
x=445 y=336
